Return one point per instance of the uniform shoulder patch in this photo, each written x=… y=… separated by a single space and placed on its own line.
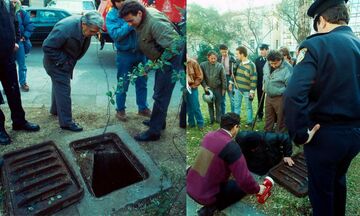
x=301 y=55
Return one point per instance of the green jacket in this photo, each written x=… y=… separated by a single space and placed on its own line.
x=275 y=83
x=155 y=34
x=214 y=75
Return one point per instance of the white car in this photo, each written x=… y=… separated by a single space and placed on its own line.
x=78 y=7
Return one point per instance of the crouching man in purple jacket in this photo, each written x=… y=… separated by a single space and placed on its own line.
x=219 y=157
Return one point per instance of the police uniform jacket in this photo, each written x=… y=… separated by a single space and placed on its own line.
x=325 y=85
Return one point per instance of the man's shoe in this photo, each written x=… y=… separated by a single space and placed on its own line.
x=121 y=115
x=207 y=211
x=28 y=126
x=147 y=136
x=4 y=138
x=145 y=112
x=147 y=123
x=72 y=127
x=25 y=87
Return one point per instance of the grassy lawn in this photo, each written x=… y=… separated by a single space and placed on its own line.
x=281 y=201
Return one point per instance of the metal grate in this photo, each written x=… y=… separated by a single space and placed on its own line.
x=294 y=178
x=38 y=181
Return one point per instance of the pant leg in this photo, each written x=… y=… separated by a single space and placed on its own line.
x=141 y=85
x=53 y=107
x=123 y=63
x=9 y=80
x=340 y=177
x=183 y=110
x=163 y=89
x=237 y=101
x=260 y=103
x=218 y=99
x=231 y=97
x=270 y=115
x=62 y=94
x=223 y=104
x=249 y=110
x=328 y=157
x=20 y=59
x=189 y=109
x=278 y=107
x=211 y=112
x=229 y=194
x=230 y=93
x=194 y=111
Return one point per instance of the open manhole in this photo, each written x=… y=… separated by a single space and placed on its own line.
x=106 y=164
x=293 y=178
x=38 y=181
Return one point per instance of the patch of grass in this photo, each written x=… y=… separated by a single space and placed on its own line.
x=281 y=201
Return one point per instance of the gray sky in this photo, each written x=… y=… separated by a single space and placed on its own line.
x=232 y=5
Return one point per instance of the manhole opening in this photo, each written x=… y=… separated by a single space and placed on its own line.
x=106 y=164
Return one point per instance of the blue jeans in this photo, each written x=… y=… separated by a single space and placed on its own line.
x=239 y=95
x=193 y=108
x=20 y=59
x=231 y=96
x=125 y=62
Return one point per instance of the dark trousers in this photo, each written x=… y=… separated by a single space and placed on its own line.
x=9 y=81
x=61 y=96
x=328 y=157
x=229 y=194
x=217 y=103
x=260 y=105
x=182 y=117
x=163 y=88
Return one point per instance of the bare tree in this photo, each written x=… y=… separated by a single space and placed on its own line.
x=293 y=12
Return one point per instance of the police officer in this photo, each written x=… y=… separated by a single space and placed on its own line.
x=259 y=63
x=325 y=91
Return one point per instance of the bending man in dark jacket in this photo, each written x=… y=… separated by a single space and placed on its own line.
x=263 y=150
x=9 y=38
x=156 y=36
x=65 y=45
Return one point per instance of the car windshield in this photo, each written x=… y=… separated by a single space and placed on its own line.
x=71 y=6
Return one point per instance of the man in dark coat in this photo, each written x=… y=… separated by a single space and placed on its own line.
x=9 y=38
x=264 y=150
x=324 y=90
x=66 y=44
x=259 y=63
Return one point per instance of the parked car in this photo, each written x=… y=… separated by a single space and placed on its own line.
x=74 y=7
x=44 y=20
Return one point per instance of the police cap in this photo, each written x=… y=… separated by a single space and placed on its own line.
x=264 y=46
x=320 y=6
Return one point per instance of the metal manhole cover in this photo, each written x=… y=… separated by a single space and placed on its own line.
x=39 y=181
x=294 y=178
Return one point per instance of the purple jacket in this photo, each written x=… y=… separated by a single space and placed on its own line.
x=218 y=158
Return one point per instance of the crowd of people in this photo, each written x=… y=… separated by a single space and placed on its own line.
x=312 y=101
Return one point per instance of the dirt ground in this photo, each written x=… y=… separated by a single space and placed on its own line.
x=169 y=153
